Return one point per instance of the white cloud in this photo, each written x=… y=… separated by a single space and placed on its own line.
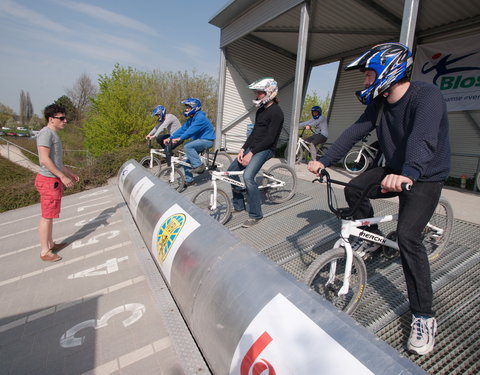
x=107 y=16
x=12 y=9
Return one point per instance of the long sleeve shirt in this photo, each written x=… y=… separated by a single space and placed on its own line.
x=412 y=132
x=268 y=125
x=196 y=127
x=320 y=124
x=170 y=123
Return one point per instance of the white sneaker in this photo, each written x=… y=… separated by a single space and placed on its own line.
x=422 y=335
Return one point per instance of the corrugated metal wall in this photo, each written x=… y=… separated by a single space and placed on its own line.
x=247 y=62
x=464 y=133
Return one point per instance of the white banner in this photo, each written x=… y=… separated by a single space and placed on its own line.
x=282 y=340
x=454 y=66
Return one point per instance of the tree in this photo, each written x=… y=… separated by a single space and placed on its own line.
x=66 y=103
x=313 y=100
x=36 y=123
x=81 y=95
x=120 y=113
x=6 y=113
x=26 y=107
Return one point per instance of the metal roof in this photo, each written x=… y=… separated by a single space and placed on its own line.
x=343 y=28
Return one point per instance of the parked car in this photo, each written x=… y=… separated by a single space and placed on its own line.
x=11 y=134
x=2 y=133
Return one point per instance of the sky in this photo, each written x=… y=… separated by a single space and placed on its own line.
x=46 y=45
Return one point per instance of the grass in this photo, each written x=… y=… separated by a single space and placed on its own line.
x=17 y=183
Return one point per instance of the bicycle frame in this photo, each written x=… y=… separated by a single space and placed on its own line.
x=351 y=228
x=371 y=151
x=224 y=176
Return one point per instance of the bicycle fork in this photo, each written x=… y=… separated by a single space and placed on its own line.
x=341 y=242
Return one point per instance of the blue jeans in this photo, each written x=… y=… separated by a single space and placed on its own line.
x=192 y=149
x=416 y=208
x=249 y=174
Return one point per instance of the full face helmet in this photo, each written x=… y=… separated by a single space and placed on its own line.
x=194 y=103
x=317 y=109
x=390 y=61
x=159 y=110
x=268 y=86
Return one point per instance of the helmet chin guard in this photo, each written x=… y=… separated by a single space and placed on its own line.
x=195 y=105
x=268 y=86
x=159 y=110
x=390 y=61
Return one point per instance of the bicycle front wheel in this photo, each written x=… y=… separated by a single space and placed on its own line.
x=437 y=233
x=280 y=183
x=223 y=210
x=156 y=164
x=175 y=181
x=325 y=276
x=353 y=165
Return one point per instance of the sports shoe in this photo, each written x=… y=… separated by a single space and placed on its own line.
x=250 y=222
x=189 y=183
x=199 y=170
x=422 y=335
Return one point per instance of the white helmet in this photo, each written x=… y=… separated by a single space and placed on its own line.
x=267 y=85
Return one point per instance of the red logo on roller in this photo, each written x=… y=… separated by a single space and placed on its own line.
x=251 y=364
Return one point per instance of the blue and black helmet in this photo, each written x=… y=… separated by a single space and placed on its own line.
x=194 y=103
x=390 y=61
x=159 y=110
x=317 y=109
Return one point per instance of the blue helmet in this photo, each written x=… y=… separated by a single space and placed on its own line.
x=316 y=108
x=194 y=103
x=159 y=110
x=390 y=61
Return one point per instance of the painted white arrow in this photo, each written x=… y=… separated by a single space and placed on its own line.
x=110 y=266
x=110 y=234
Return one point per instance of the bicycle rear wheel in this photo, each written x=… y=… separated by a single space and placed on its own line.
x=299 y=156
x=437 y=233
x=274 y=191
x=156 y=165
x=325 y=276
x=204 y=200
x=177 y=181
x=223 y=160
x=353 y=165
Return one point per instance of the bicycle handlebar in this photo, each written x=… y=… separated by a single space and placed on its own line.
x=348 y=211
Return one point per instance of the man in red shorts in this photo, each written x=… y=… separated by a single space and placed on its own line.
x=51 y=179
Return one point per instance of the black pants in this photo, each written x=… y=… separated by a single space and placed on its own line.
x=160 y=138
x=416 y=208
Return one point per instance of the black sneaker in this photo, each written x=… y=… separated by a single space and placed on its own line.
x=250 y=222
x=199 y=170
x=187 y=184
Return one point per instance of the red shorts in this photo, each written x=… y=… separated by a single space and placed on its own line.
x=50 y=190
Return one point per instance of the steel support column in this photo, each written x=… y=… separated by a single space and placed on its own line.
x=221 y=99
x=299 y=80
x=409 y=20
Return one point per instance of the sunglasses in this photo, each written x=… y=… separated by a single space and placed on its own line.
x=61 y=118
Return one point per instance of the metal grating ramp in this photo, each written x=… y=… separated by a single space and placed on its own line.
x=294 y=233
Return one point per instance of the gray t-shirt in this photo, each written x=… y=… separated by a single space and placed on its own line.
x=49 y=138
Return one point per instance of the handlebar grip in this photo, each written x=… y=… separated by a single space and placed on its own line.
x=406 y=187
